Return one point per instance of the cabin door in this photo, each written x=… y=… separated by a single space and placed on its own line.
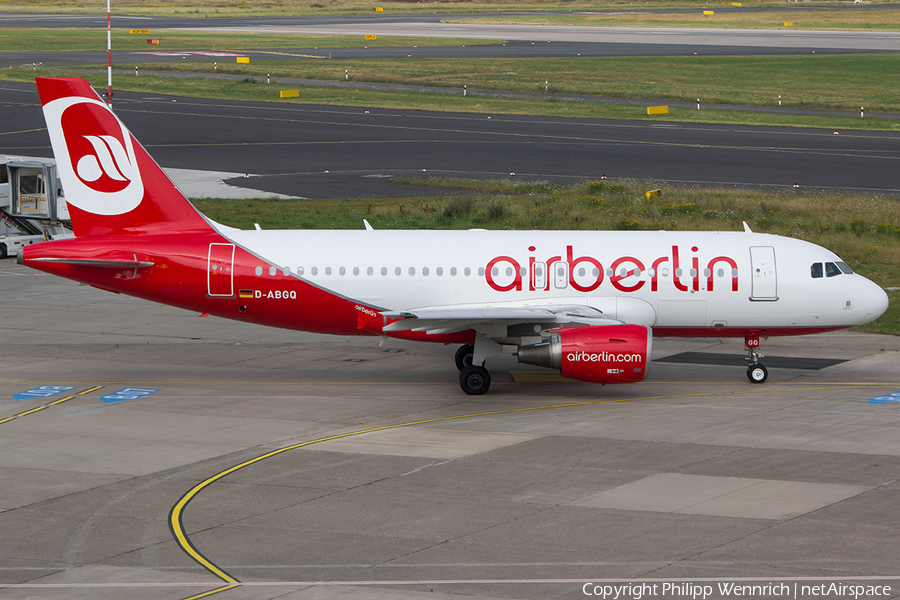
x=220 y=270
x=762 y=262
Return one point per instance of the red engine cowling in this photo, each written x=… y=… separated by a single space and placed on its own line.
x=599 y=354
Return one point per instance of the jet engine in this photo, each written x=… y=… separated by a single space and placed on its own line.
x=599 y=354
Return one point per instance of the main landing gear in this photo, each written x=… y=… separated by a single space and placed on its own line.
x=756 y=373
x=464 y=356
x=474 y=379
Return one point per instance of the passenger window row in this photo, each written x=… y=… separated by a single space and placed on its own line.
x=467 y=271
x=397 y=271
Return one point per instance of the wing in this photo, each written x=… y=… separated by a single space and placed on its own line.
x=498 y=320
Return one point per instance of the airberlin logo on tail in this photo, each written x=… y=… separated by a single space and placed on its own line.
x=105 y=168
x=94 y=156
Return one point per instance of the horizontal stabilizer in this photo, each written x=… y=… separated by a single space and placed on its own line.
x=91 y=262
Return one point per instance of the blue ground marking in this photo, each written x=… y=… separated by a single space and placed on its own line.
x=886 y=399
x=44 y=391
x=127 y=394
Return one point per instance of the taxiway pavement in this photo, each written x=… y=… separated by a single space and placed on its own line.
x=355 y=470
x=338 y=152
x=528 y=492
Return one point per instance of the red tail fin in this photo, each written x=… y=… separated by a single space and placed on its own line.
x=111 y=184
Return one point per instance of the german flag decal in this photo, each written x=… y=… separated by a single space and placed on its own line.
x=245 y=294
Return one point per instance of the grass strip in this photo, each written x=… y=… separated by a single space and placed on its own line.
x=814 y=81
x=251 y=90
x=79 y=39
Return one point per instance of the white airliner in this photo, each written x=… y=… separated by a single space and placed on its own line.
x=586 y=303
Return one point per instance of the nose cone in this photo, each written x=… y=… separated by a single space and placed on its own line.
x=876 y=301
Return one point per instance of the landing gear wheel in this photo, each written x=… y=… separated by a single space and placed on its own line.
x=474 y=380
x=757 y=373
x=464 y=356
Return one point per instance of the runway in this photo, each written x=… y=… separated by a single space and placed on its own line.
x=305 y=466
x=750 y=38
x=511 y=41
x=98 y=20
x=520 y=49
x=338 y=152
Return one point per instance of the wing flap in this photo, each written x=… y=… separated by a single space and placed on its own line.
x=449 y=319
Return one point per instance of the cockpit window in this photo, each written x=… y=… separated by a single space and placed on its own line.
x=844 y=268
x=832 y=269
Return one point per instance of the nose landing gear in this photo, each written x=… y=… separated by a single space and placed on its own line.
x=756 y=373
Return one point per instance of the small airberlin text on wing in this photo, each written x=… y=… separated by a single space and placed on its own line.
x=696 y=591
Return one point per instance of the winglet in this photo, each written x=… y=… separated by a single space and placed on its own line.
x=746 y=228
x=368 y=226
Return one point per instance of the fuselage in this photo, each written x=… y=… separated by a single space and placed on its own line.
x=667 y=280
x=584 y=302
x=678 y=283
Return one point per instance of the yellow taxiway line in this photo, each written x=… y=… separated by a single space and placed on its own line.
x=49 y=404
x=176 y=514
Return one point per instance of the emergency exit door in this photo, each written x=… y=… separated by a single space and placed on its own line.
x=220 y=270
x=762 y=263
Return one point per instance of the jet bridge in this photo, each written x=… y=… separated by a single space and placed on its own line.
x=32 y=204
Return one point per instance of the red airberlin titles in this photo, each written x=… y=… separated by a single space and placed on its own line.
x=586 y=304
x=620 y=269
